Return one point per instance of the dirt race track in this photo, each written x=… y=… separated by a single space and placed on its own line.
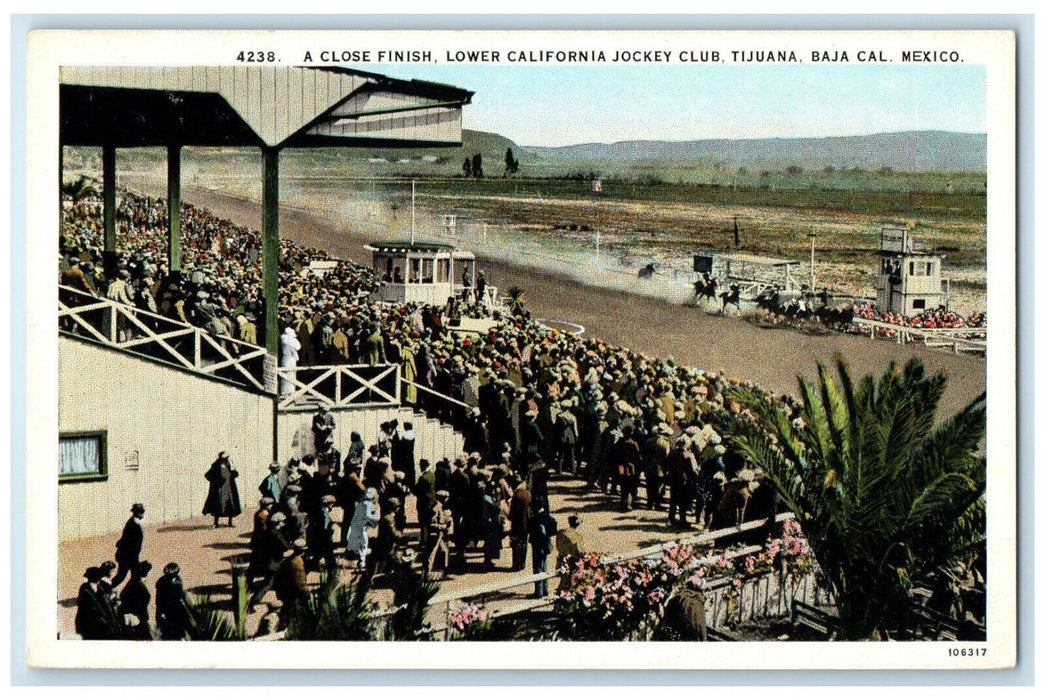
x=773 y=358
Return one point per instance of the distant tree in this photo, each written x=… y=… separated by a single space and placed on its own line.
x=511 y=165
x=885 y=170
x=467 y=167
x=828 y=169
x=741 y=171
x=794 y=170
x=477 y=165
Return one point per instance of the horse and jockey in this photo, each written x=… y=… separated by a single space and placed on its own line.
x=706 y=288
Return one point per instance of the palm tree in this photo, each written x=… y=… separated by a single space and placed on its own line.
x=332 y=613
x=78 y=189
x=206 y=624
x=885 y=498
x=516 y=300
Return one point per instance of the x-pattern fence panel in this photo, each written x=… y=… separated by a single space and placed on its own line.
x=338 y=386
x=159 y=338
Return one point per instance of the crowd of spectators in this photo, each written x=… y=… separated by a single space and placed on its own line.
x=532 y=403
x=933 y=318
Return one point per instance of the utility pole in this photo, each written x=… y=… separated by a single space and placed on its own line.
x=812 y=262
x=413 y=209
x=736 y=231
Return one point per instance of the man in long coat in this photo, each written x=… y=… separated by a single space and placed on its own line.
x=222 y=496
x=129 y=546
x=92 y=608
x=171 y=614
x=519 y=525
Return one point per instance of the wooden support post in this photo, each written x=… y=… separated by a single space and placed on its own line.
x=109 y=197
x=174 y=207
x=270 y=246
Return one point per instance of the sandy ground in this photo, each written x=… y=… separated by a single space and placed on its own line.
x=771 y=357
x=205 y=554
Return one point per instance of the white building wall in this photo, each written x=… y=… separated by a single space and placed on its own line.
x=176 y=421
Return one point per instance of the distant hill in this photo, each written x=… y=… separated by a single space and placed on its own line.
x=491 y=146
x=906 y=151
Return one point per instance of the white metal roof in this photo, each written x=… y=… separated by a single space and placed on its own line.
x=281 y=102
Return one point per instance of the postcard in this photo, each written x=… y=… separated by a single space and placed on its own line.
x=635 y=349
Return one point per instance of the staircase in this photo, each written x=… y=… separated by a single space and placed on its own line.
x=435 y=440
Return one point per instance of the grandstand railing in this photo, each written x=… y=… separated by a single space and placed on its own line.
x=761 y=596
x=338 y=387
x=438 y=405
x=962 y=339
x=160 y=338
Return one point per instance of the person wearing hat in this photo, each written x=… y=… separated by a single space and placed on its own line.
x=222 y=494
x=270 y=486
x=94 y=614
x=320 y=535
x=658 y=448
x=171 y=613
x=258 y=560
x=494 y=515
x=424 y=492
x=402 y=453
x=543 y=529
x=105 y=585
x=569 y=544
x=129 y=546
x=389 y=537
x=134 y=601
x=363 y=517
x=322 y=429
x=291 y=581
x=272 y=547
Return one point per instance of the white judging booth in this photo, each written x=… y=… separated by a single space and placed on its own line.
x=423 y=271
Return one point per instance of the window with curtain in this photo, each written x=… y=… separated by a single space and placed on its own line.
x=82 y=456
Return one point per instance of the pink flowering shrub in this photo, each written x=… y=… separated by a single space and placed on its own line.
x=469 y=622
x=625 y=600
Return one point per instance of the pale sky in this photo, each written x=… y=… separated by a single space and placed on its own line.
x=555 y=105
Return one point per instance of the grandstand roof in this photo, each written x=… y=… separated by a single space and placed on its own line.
x=392 y=246
x=274 y=106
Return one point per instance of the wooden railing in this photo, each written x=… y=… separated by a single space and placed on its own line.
x=715 y=590
x=338 y=387
x=160 y=338
x=964 y=339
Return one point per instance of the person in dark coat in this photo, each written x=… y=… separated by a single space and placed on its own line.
x=273 y=545
x=92 y=609
x=129 y=546
x=387 y=542
x=320 y=536
x=424 y=491
x=403 y=454
x=519 y=525
x=171 y=611
x=629 y=464
x=222 y=496
x=291 y=581
x=271 y=487
x=135 y=598
x=543 y=529
x=322 y=429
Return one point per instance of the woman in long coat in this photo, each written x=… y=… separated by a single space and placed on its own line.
x=364 y=517
x=223 y=496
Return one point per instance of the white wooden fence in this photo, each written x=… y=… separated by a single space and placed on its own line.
x=957 y=339
x=160 y=338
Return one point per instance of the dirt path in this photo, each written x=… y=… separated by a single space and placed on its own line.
x=772 y=358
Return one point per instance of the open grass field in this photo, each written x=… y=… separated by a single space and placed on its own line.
x=659 y=217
